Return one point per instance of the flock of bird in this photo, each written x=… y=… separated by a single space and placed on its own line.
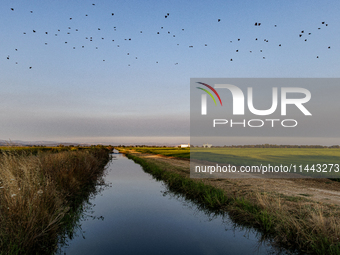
x=303 y=35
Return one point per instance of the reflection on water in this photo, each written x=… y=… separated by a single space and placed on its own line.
x=131 y=213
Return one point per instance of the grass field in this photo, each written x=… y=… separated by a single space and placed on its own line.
x=166 y=151
x=274 y=156
x=256 y=156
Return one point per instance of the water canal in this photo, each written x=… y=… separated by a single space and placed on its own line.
x=135 y=214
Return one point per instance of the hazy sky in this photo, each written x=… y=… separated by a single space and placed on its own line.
x=141 y=91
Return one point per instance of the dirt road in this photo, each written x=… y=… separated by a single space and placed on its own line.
x=318 y=190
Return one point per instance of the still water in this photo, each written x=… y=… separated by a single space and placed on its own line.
x=136 y=214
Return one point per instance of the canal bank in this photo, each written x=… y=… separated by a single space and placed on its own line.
x=310 y=226
x=136 y=214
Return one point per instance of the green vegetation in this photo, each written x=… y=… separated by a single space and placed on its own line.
x=273 y=156
x=257 y=156
x=253 y=156
x=41 y=193
x=166 y=151
x=36 y=149
x=290 y=221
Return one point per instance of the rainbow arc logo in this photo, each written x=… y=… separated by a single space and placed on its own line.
x=209 y=93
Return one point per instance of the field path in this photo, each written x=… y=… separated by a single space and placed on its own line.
x=317 y=190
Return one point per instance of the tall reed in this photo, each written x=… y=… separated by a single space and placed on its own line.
x=37 y=192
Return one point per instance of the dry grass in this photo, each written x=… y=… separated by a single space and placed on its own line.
x=36 y=193
x=309 y=226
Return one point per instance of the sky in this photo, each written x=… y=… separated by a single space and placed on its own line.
x=110 y=89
